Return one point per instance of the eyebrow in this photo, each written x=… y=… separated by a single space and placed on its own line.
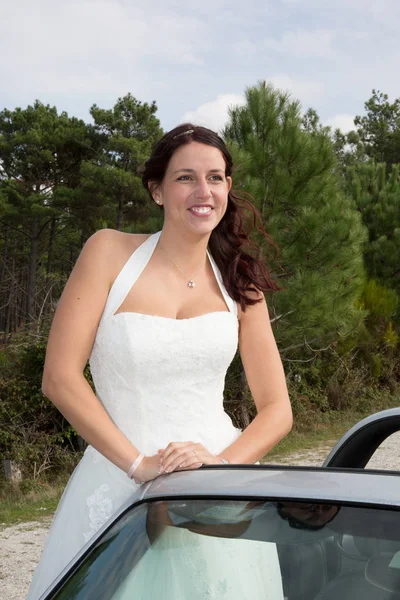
x=193 y=171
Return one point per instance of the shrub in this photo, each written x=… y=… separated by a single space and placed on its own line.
x=33 y=433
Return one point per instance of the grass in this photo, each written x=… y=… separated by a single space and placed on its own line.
x=309 y=436
x=316 y=428
x=30 y=501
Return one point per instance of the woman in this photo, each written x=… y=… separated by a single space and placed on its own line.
x=159 y=318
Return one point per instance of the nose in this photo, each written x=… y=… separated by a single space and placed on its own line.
x=202 y=190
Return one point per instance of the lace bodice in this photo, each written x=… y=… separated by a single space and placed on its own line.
x=162 y=379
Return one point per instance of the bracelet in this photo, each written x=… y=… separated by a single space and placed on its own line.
x=135 y=465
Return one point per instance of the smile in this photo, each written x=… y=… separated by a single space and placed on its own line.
x=203 y=211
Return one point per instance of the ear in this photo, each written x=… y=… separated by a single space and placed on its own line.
x=229 y=183
x=155 y=191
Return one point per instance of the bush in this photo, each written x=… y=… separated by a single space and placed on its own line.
x=34 y=434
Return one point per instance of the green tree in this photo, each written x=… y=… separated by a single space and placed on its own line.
x=377 y=198
x=40 y=156
x=346 y=154
x=291 y=173
x=378 y=131
x=127 y=133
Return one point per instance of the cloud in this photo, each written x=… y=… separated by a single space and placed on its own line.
x=91 y=45
x=307 y=91
x=329 y=55
x=303 y=44
x=343 y=122
x=214 y=114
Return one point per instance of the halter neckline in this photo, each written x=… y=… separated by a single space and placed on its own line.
x=132 y=270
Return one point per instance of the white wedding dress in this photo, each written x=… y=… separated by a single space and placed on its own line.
x=160 y=380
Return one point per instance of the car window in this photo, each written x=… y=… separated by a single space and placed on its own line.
x=233 y=549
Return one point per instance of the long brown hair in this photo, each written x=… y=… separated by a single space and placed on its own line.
x=237 y=257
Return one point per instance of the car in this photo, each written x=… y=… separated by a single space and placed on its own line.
x=336 y=529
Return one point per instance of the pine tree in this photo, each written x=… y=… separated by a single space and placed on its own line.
x=40 y=156
x=126 y=135
x=293 y=178
x=378 y=131
x=377 y=198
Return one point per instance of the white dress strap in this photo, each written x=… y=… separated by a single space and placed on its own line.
x=136 y=264
x=231 y=304
x=129 y=274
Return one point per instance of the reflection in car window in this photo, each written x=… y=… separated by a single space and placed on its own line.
x=325 y=551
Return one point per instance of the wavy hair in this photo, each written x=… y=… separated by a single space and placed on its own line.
x=238 y=258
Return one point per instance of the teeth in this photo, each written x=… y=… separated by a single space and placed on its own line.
x=204 y=209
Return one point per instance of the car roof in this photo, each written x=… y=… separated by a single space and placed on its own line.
x=289 y=483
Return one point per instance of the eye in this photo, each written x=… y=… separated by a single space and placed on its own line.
x=216 y=177
x=184 y=178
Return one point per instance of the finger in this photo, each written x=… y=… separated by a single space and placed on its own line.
x=172 y=447
x=171 y=454
x=187 y=457
x=192 y=467
x=189 y=465
x=179 y=458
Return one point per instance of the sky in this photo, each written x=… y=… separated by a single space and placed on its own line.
x=196 y=58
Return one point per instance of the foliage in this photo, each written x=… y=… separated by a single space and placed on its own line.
x=291 y=174
x=377 y=198
x=33 y=434
x=40 y=156
x=126 y=135
x=380 y=302
x=347 y=154
x=61 y=180
x=378 y=131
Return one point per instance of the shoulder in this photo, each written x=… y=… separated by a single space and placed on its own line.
x=110 y=249
x=112 y=240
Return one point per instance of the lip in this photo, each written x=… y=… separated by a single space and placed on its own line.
x=201 y=215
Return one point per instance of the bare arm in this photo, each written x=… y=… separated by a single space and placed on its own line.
x=69 y=346
x=266 y=379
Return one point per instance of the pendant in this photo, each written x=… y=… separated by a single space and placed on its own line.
x=191 y=283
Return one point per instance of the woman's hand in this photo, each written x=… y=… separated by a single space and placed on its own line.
x=185 y=455
x=148 y=469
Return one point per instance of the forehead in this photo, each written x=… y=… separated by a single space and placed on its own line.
x=196 y=156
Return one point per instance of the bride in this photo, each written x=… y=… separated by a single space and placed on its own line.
x=160 y=318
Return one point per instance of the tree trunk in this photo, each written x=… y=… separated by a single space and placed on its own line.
x=50 y=248
x=2 y=279
x=12 y=471
x=49 y=266
x=4 y=257
x=120 y=212
x=30 y=303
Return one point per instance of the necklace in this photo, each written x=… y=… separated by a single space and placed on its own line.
x=190 y=283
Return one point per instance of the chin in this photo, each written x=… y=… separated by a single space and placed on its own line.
x=203 y=228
